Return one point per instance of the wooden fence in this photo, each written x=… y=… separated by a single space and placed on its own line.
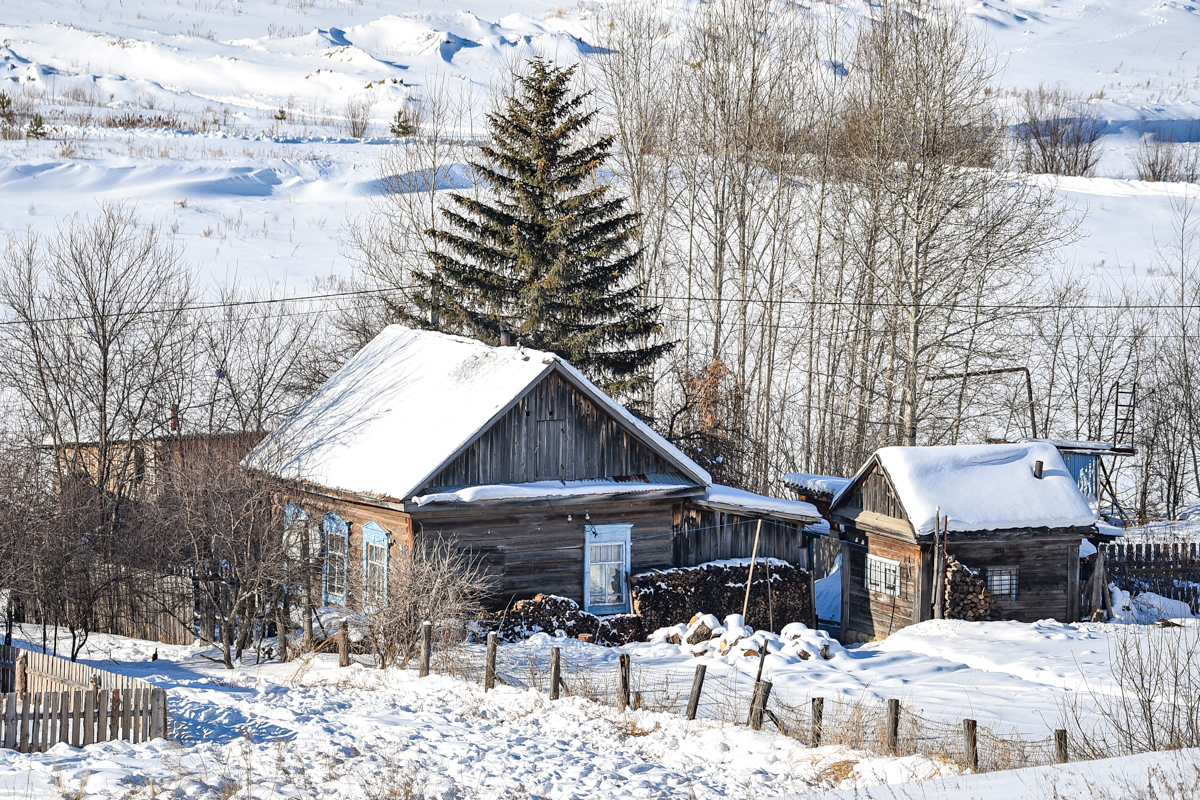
x=69 y=702
x=1169 y=569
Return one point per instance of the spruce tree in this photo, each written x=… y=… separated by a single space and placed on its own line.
x=548 y=251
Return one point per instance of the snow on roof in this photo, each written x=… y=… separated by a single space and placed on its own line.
x=818 y=484
x=408 y=402
x=550 y=490
x=729 y=497
x=985 y=487
x=1073 y=444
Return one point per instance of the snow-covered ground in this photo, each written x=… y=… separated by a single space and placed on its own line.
x=269 y=199
x=312 y=729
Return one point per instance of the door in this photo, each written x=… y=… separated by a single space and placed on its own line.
x=606 y=568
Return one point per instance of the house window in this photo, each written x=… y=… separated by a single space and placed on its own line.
x=883 y=576
x=1002 y=582
x=337 y=535
x=375 y=567
x=606 y=565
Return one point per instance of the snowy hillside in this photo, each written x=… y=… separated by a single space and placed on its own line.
x=205 y=82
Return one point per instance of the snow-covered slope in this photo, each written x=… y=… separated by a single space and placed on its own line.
x=267 y=197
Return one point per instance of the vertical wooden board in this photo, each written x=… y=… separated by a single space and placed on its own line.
x=158 y=714
x=98 y=719
x=82 y=726
x=11 y=717
x=126 y=714
x=34 y=742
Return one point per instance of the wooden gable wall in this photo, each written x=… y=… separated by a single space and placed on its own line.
x=553 y=432
x=875 y=493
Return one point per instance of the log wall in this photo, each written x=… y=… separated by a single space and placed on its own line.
x=1042 y=577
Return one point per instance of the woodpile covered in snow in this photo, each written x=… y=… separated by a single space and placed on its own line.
x=671 y=597
x=967 y=596
x=549 y=613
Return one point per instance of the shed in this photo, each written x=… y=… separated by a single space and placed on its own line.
x=515 y=456
x=1012 y=512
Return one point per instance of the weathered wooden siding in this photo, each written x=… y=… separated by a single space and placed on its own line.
x=534 y=549
x=1042 y=576
x=554 y=431
x=704 y=535
x=868 y=615
x=874 y=493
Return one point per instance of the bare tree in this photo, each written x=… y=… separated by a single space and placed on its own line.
x=1060 y=134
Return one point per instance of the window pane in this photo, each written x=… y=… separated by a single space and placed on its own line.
x=596 y=585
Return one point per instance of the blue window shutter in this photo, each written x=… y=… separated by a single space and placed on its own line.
x=373 y=534
x=334 y=564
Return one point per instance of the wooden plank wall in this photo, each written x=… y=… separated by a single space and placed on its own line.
x=1169 y=569
x=872 y=615
x=1041 y=578
x=875 y=493
x=705 y=535
x=61 y=704
x=535 y=550
x=555 y=431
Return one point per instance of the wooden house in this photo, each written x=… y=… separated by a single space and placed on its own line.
x=514 y=456
x=1012 y=512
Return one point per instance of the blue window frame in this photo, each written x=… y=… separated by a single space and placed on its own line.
x=337 y=546
x=375 y=566
x=606 y=568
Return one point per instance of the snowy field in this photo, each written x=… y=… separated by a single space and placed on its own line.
x=269 y=199
x=311 y=729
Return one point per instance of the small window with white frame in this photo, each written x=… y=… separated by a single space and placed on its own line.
x=1002 y=582
x=883 y=576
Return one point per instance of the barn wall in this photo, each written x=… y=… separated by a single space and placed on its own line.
x=867 y=615
x=704 y=535
x=553 y=432
x=535 y=549
x=1042 y=577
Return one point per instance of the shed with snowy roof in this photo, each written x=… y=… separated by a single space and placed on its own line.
x=513 y=455
x=1011 y=512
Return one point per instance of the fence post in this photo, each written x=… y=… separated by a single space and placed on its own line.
x=1060 y=746
x=818 y=714
x=623 y=681
x=555 y=671
x=697 y=686
x=19 y=677
x=758 y=704
x=426 y=646
x=970 y=749
x=489 y=671
x=343 y=644
x=893 y=725
x=158 y=718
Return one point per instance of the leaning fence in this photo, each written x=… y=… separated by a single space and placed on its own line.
x=1168 y=568
x=45 y=700
x=732 y=695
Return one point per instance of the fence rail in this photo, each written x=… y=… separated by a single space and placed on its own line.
x=1169 y=569
x=46 y=700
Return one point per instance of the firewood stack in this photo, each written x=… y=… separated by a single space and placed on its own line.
x=967 y=597
x=550 y=614
x=672 y=597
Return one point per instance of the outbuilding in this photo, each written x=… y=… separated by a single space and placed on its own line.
x=1013 y=513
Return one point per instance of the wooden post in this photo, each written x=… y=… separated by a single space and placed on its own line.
x=158 y=719
x=818 y=718
x=1060 y=746
x=282 y=625
x=812 y=598
x=489 y=672
x=623 y=681
x=758 y=704
x=893 y=725
x=343 y=644
x=19 y=677
x=426 y=646
x=750 y=576
x=970 y=742
x=555 y=671
x=697 y=687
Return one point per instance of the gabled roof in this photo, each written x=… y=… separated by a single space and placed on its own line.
x=409 y=402
x=980 y=487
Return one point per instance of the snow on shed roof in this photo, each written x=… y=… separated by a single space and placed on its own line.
x=818 y=484
x=984 y=487
x=554 y=489
x=729 y=498
x=407 y=403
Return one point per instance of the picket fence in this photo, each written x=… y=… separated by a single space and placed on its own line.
x=73 y=703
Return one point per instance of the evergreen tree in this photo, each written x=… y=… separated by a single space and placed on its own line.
x=548 y=254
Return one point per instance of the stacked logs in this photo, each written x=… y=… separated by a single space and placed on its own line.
x=967 y=597
x=663 y=598
x=547 y=613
